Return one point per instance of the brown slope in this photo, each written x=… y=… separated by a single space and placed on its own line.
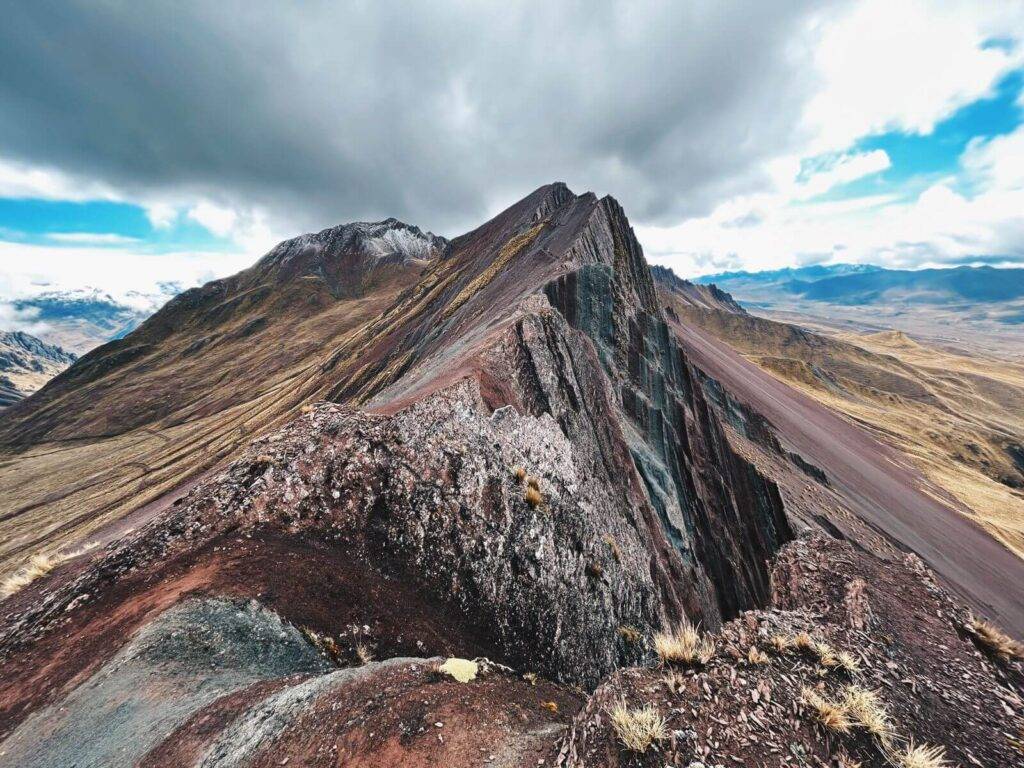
x=884 y=489
x=958 y=414
x=141 y=416
x=695 y=295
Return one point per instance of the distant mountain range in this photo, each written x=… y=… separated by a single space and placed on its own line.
x=859 y=285
x=82 y=319
x=26 y=363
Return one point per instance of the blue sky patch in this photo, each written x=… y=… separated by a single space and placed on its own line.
x=37 y=221
x=918 y=161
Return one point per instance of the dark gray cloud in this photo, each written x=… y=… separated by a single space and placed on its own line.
x=324 y=112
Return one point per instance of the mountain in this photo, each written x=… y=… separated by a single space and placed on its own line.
x=847 y=284
x=928 y=286
x=702 y=295
x=26 y=363
x=80 y=320
x=389 y=499
x=973 y=307
x=788 y=274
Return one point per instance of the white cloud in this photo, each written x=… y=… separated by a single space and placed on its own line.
x=939 y=226
x=665 y=116
x=161 y=215
x=91 y=238
x=907 y=64
x=217 y=219
x=842 y=170
x=998 y=162
x=20 y=180
x=14 y=319
x=27 y=270
x=886 y=65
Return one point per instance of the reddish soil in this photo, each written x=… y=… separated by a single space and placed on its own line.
x=878 y=484
x=412 y=718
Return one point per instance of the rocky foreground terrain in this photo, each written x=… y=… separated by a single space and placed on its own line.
x=495 y=516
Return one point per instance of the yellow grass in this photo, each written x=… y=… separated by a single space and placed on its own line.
x=830 y=714
x=533 y=497
x=638 y=729
x=37 y=566
x=994 y=640
x=923 y=756
x=756 y=656
x=848 y=663
x=868 y=711
x=684 y=645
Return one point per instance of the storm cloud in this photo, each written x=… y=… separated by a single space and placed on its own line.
x=435 y=113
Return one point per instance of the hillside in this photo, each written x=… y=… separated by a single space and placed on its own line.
x=410 y=501
x=26 y=364
x=956 y=414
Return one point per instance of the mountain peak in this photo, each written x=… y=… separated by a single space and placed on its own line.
x=344 y=255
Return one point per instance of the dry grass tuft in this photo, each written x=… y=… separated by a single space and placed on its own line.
x=923 y=756
x=533 y=482
x=638 y=729
x=756 y=656
x=37 y=566
x=326 y=644
x=519 y=473
x=675 y=682
x=804 y=643
x=684 y=645
x=868 y=711
x=826 y=655
x=832 y=715
x=848 y=663
x=994 y=641
x=363 y=653
x=630 y=634
x=533 y=497
x=781 y=643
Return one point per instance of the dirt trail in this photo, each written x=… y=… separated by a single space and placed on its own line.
x=880 y=486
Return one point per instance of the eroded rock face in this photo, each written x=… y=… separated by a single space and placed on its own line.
x=722 y=517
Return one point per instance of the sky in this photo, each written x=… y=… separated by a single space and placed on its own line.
x=153 y=144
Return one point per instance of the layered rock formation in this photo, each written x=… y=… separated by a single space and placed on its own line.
x=511 y=458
